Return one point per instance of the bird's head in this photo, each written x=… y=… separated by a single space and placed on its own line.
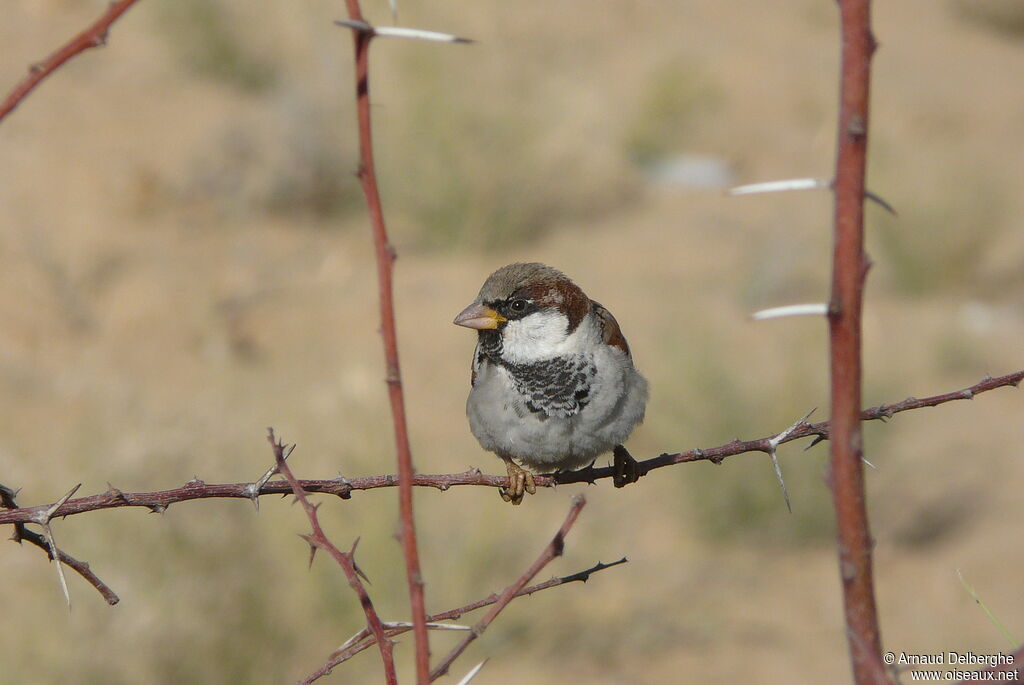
x=533 y=309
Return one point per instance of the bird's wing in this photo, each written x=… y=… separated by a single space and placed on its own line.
x=610 y=330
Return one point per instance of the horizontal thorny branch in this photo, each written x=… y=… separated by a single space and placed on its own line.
x=344 y=487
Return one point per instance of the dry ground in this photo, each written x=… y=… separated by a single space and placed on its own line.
x=184 y=261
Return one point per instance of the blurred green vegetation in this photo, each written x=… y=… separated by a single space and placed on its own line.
x=206 y=36
x=676 y=95
x=944 y=239
x=1003 y=17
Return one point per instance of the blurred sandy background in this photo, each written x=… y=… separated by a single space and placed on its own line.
x=184 y=260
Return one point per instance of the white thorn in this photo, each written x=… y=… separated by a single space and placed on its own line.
x=400 y=32
x=780 y=186
x=55 y=553
x=448 y=626
x=782 y=482
x=774 y=443
x=777 y=440
x=803 y=184
x=362 y=634
x=418 y=34
x=43 y=517
x=472 y=673
x=253 y=489
x=435 y=626
x=810 y=309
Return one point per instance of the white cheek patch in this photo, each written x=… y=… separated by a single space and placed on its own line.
x=543 y=335
x=537 y=336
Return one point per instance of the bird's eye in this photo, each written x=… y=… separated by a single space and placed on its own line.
x=518 y=306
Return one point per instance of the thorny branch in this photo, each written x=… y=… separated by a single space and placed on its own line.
x=361 y=40
x=364 y=640
x=92 y=37
x=849 y=270
x=346 y=560
x=21 y=533
x=554 y=549
x=344 y=487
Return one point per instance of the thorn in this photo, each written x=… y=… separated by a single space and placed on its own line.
x=55 y=557
x=880 y=201
x=252 y=492
x=359 y=572
x=778 y=475
x=156 y=508
x=780 y=186
x=814 y=309
x=312 y=555
x=357 y=26
x=312 y=547
x=116 y=493
x=775 y=441
x=347 y=492
x=362 y=634
x=806 y=184
x=472 y=673
x=43 y=517
x=818 y=438
x=418 y=34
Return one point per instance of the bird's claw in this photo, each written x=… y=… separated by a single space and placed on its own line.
x=626 y=467
x=520 y=483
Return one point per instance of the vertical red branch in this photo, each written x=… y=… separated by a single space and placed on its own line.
x=385 y=267
x=849 y=270
x=92 y=37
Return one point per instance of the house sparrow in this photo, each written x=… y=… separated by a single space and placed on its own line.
x=553 y=383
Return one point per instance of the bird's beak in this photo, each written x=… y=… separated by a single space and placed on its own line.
x=479 y=317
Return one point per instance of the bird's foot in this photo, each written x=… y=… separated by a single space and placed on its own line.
x=520 y=482
x=626 y=467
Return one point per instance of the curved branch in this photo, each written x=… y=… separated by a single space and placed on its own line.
x=363 y=640
x=553 y=549
x=346 y=560
x=92 y=37
x=344 y=487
